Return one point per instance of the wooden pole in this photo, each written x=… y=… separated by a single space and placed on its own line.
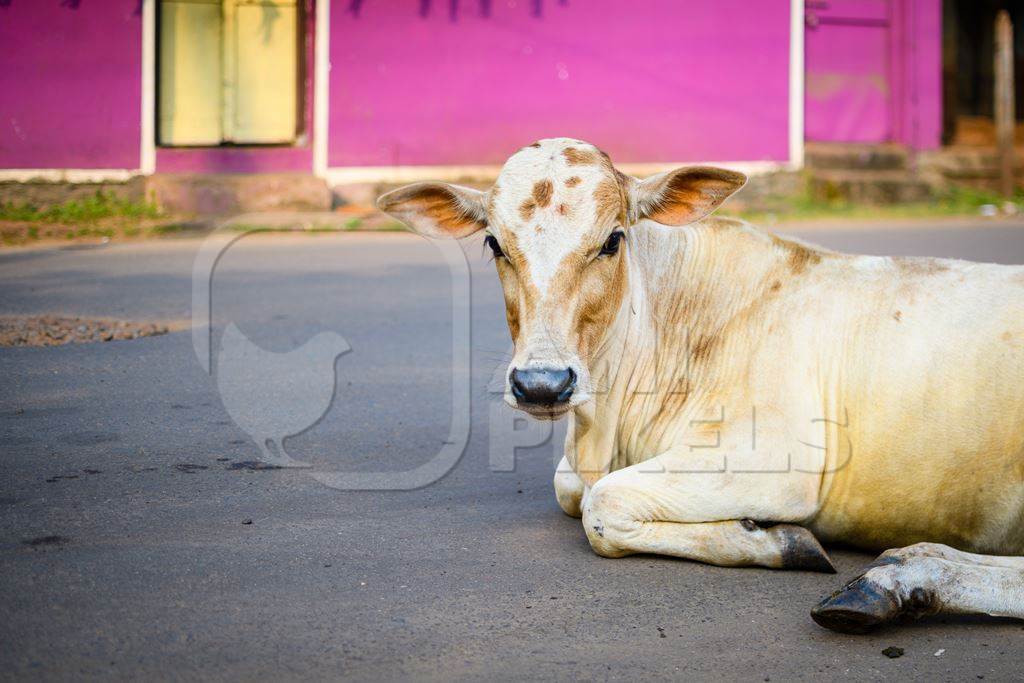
x=1005 y=107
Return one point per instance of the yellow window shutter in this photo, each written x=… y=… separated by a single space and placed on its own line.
x=260 y=71
x=190 y=72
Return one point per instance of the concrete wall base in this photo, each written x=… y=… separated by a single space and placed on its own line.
x=193 y=194
x=223 y=194
x=43 y=194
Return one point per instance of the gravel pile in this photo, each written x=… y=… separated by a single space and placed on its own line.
x=52 y=330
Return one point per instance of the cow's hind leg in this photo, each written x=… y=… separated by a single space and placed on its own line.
x=925 y=579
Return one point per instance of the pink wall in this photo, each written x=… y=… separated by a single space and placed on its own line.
x=70 y=83
x=424 y=82
x=420 y=82
x=874 y=71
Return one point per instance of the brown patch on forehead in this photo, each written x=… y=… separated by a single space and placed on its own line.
x=610 y=201
x=573 y=181
x=542 y=192
x=536 y=144
x=526 y=209
x=581 y=157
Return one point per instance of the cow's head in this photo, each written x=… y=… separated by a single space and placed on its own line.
x=557 y=220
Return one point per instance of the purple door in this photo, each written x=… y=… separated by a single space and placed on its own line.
x=849 y=84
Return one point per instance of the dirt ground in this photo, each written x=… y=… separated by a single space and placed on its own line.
x=54 y=330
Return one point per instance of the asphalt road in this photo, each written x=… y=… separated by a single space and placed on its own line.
x=125 y=451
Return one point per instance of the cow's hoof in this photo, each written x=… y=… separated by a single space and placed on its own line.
x=858 y=607
x=801 y=550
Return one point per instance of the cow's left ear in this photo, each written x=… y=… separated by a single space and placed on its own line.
x=686 y=194
x=437 y=209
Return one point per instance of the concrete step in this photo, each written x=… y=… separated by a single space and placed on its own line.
x=838 y=156
x=967 y=163
x=869 y=187
x=221 y=194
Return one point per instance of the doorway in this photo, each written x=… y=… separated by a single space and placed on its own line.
x=968 y=82
x=229 y=72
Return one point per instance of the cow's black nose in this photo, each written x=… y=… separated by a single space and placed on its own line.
x=542 y=386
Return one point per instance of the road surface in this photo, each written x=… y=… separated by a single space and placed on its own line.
x=136 y=543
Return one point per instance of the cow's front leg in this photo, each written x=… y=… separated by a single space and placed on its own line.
x=569 y=489
x=704 y=516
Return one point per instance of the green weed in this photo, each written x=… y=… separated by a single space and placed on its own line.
x=955 y=201
x=100 y=205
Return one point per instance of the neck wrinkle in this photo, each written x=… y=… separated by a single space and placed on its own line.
x=684 y=290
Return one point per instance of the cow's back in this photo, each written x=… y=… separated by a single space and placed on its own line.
x=931 y=377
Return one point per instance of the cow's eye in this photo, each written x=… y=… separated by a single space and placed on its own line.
x=495 y=247
x=611 y=245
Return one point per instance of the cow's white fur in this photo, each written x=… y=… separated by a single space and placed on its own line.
x=559 y=235
x=874 y=401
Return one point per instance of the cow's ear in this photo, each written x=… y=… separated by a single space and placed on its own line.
x=437 y=209
x=686 y=194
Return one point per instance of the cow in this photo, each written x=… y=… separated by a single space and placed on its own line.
x=735 y=397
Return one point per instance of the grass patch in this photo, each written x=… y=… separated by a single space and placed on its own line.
x=89 y=210
x=250 y=228
x=173 y=228
x=101 y=216
x=350 y=225
x=956 y=201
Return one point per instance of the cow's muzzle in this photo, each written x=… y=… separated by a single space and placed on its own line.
x=545 y=389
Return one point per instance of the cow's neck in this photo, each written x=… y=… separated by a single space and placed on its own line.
x=660 y=364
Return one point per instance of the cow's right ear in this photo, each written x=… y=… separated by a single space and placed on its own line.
x=437 y=209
